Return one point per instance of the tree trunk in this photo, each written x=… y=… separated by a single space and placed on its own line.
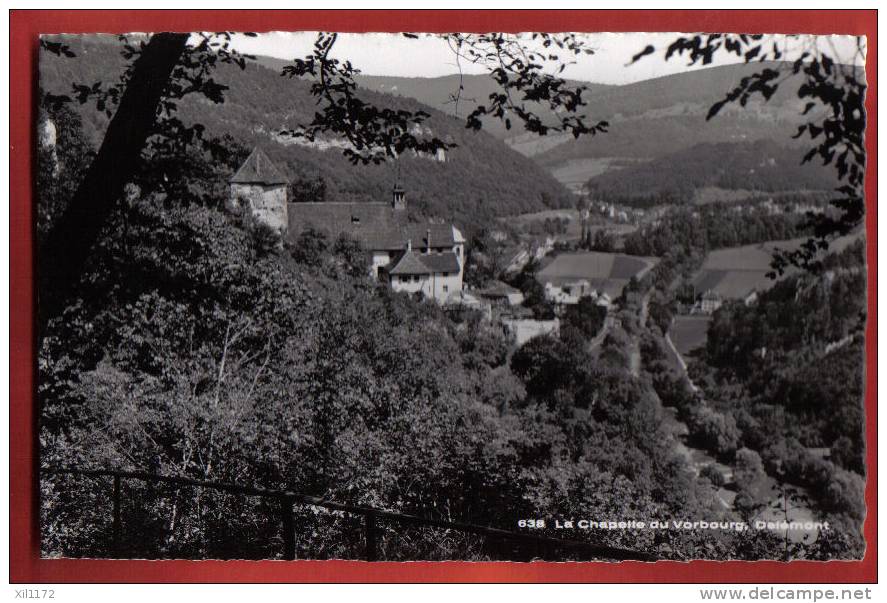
x=68 y=245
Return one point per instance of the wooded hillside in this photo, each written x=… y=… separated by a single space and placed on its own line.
x=480 y=179
x=759 y=167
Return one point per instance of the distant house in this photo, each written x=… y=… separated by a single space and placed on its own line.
x=568 y=293
x=569 y=276
x=500 y=236
x=501 y=294
x=711 y=301
x=426 y=258
x=433 y=273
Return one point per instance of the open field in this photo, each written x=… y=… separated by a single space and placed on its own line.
x=607 y=272
x=689 y=333
x=569 y=214
x=574 y=222
x=575 y=173
x=734 y=272
x=713 y=194
x=530 y=144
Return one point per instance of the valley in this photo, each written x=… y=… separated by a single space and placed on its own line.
x=481 y=325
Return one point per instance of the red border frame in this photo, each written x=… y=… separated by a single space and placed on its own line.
x=25 y=564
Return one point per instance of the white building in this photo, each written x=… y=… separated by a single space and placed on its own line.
x=433 y=273
x=427 y=258
x=569 y=293
x=711 y=301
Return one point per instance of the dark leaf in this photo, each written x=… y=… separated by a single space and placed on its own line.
x=650 y=49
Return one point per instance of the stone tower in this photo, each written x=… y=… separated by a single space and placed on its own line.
x=259 y=192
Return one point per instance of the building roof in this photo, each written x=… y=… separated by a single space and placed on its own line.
x=258 y=169
x=440 y=262
x=421 y=263
x=410 y=264
x=604 y=272
x=377 y=226
x=498 y=289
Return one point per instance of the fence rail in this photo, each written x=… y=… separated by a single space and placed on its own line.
x=371 y=517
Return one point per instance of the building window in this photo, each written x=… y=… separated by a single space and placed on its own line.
x=446 y=288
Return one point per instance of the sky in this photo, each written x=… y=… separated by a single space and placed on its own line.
x=393 y=54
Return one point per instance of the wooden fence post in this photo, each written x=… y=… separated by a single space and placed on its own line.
x=371 y=554
x=286 y=521
x=115 y=525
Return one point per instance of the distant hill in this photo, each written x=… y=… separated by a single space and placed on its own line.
x=658 y=128
x=760 y=166
x=440 y=92
x=480 y=179
x=667 y=114
x=649 y=120
x=674 y=106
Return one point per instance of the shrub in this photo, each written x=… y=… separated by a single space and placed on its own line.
x=748 y=468
x=310 y=247
x=714 y=431
x=712 y=474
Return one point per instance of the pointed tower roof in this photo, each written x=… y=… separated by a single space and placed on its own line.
x=258 y=169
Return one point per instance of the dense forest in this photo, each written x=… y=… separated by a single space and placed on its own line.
x=480 y=179
x=758 y=167
x=781 y=390
x=789 y=370
x=698 y=230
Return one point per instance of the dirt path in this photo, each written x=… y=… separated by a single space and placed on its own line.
x=634 y=354
x=598 y=339
x=645 y=307
x=681 y=362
